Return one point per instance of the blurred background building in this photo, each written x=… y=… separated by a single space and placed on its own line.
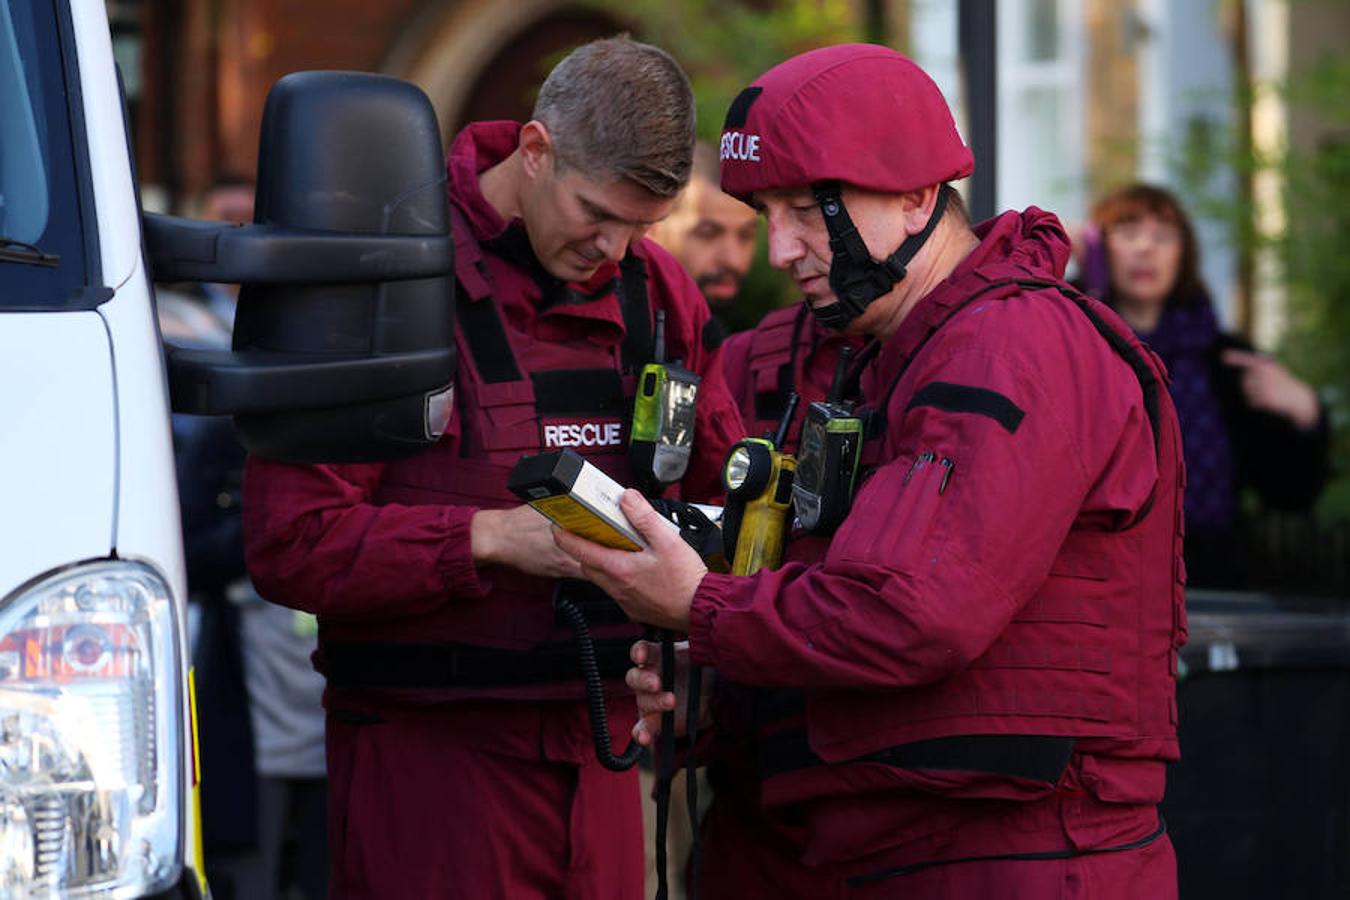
x=1089 y=92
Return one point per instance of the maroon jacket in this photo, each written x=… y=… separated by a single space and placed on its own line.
x=381 y=552
x=788 y=350
x=998 y=617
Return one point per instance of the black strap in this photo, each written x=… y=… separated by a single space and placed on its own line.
x=577 y=392
x=773 y=705
x=691 y=781
x=407 y=665
x=513 y=245
x=897 y=261
x=488 y=344
x=1033 y=856
x=787 y=372
x=786 y=749
x=638 y=340
x=1035 y=757
x=1148 y=381
x=855 y=277
x=770 y=405
x=714 y=333
x=486 y=336
x=665 y=767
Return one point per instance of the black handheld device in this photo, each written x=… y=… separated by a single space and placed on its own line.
x=827 y=457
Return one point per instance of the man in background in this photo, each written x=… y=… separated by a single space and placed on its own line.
x=712 y=235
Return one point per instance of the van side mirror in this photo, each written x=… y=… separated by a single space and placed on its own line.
x=344 y=339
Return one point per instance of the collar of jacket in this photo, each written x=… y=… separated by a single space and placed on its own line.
x=1029 y=244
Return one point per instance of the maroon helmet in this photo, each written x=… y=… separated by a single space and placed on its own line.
x=856 y=113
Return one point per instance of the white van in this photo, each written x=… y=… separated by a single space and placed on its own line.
x=98 y=781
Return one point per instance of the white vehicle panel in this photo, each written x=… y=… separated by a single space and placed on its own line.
x=119 y=245
x=58 y=454
x=147 y=527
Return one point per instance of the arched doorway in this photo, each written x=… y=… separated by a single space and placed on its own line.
x=484 y=59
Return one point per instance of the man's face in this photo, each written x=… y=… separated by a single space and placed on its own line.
x=576 y=223
x=712 y=234
x=799 y=243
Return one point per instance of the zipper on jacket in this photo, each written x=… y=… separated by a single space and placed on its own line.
x=917 y=504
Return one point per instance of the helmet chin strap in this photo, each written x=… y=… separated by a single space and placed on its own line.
x=855 y=277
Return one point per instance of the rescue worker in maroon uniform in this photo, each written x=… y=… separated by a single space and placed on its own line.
x=460 y=758
x=967 y=690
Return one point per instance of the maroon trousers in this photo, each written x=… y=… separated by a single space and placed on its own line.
x=741 y=860
x=481 y=801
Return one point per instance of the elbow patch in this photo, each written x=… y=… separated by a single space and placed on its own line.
x=962 y=398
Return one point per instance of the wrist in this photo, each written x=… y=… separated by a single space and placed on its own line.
x=1307 y=411
x=1312 y=412
x=483 y=543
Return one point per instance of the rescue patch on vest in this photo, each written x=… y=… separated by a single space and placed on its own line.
x=966 y=399
x=605 y=433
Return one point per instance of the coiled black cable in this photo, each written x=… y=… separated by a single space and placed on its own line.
x=696 y=529
x=595 y=690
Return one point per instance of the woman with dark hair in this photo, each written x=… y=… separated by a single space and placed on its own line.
x=1246 y=421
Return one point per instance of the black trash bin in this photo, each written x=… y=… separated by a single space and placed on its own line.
x=1258 y=805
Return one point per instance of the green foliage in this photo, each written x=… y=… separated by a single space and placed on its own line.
x=1313 y=265
x=1313 y=253
x=724 y=45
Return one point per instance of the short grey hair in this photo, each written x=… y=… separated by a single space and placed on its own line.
x=616 y=108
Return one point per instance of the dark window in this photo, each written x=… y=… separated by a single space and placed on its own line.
x=42 y=259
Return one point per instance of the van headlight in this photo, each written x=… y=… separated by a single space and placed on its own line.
x=91 y=765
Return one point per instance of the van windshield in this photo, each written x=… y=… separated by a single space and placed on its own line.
x=42 y=264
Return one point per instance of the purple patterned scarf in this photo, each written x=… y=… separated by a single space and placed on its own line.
x=1184 y=338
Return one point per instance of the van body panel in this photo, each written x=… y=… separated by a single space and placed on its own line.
x=118 y=225
x=58 y=453
x=148 y=525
